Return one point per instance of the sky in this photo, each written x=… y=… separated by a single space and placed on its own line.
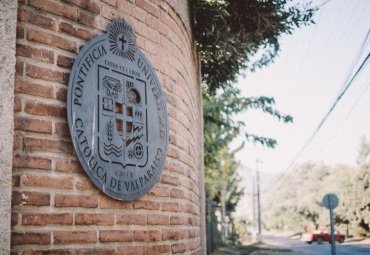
x=305 y=80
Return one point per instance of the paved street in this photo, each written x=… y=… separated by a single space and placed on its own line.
x=353 y=248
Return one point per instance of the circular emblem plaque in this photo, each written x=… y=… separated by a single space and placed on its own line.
x=117 y=114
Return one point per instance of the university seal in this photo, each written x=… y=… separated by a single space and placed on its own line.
x=117 y=114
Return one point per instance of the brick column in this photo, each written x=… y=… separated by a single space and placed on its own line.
x=55 y=207
x=8 y=22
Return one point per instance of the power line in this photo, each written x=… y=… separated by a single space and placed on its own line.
x=346 y=80
x=358 y=56
x=339 y=97
x=346 y=118
x=324 y=3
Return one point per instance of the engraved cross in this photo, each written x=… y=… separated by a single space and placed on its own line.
x=123 y=41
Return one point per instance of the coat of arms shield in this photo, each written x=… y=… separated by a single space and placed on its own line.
x=122 y=127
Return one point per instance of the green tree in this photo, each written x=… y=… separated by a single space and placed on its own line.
x=220 y=127
x=364 y=151
x=229 y=34
x=361 y=199
x=233 y=36
x=310 y=183
x=224 y=185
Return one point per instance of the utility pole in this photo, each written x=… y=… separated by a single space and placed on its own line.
x=258 y=198
x=254 y=206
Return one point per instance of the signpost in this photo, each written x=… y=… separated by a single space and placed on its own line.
x=330 y=201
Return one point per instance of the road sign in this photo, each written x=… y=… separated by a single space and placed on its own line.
x=330 y=201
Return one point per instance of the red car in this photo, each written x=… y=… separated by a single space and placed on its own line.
x=321 y=236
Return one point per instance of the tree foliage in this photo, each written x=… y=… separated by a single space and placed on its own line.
x=229 y=33
x=221 y=128
x=233 y=36
x=310 y=183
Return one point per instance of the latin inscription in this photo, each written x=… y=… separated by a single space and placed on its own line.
x=101 y=174
x=117 y=114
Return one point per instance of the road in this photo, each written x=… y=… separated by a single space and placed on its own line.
x=353 y=248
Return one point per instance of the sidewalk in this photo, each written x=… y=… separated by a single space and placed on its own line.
x=254 y=249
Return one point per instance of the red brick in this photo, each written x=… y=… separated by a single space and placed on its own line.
x=110 y=203
x=109 y=13
x=60 y=9
x=14 y=219
x=90 y=5
x=176 y=193
x=132 y=250
x=179 y=220
x=35 y=53
x=84 y=183
x=75 y=31
x=174 y=167
x=16 y=181
x=75 y=201
x=30 y=198
x=64 y=61
x=131 y=219
x=50 y=39
x=173 y=153
x=18 y=141
x=57 y=182
x=66 y=237
x=149 y=7
x=49 y=252
x=42 y=109
x=116 y=236
x=171 y=180
x=20 y=32
x=61 y=129
x=157 y=219
x=17 y=105
x=92 y=21
x=35 y=144
x=47 y=74
x=19 y=68
x=26 y=87
x=173 y=234
x=146 y=204
x=47 y=219
x=160 y=192
x=155 y=23
x=31 y=162
x=193 y=245
x=71 y=166
x=170 y=207
x=130 y=9
x=194 y=233
x=169 y=22
x=28 y=124
x=152 y=45
x=110 y=2
x=30 y=238
x=183 y=207
x=36 y=19
x=95 y=251
x=158 y=249
x=147 y=236
x=191 y=208
x=61 y=94
x=178 y=248
x=94 y=219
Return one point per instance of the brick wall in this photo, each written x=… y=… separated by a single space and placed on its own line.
x=55 y=207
